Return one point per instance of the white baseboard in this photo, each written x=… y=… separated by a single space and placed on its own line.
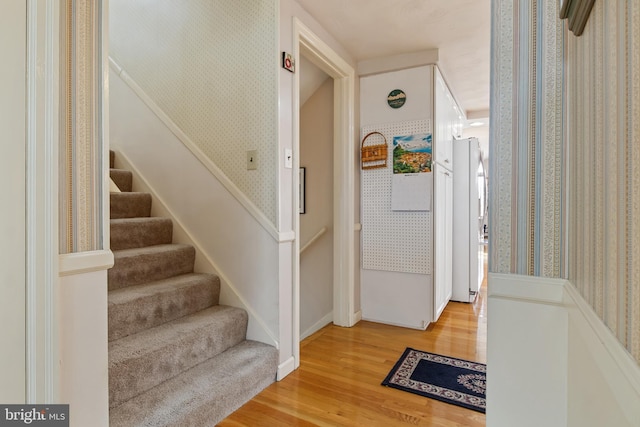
x=357 y=317
x=422 y=327
x=326 y=319
x=285 y=368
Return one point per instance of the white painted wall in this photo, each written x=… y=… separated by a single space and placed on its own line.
x=401 y=299
x=526 y=352
x=416 y=82
x=552 y=362
x=13 y=30
x=316 y=262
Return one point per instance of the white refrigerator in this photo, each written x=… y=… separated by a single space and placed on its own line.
x=468 y=218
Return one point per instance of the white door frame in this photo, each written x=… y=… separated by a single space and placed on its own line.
x=321 y=55
x=41 y=190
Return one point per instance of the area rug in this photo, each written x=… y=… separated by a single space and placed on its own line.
x=456 y=381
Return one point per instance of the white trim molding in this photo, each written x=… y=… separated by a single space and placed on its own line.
x=324 y=57
x=527 y=288
x=42 y=84
x=621 y=371
x=285 y=368
x=544 y=333
x=85 y=262
x=305 y=41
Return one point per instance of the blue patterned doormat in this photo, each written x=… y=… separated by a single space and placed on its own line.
x=456 y=381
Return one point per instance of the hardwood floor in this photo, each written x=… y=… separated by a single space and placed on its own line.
x=338 y=382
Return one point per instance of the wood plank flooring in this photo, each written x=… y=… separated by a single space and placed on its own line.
x=338 y=382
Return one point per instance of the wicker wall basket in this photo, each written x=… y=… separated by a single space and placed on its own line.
x=374 y=156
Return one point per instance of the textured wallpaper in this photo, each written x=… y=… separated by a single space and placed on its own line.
x=566 y=142
x=81 y=221
x=211 y=66
x=526 y=145
x=604 y=166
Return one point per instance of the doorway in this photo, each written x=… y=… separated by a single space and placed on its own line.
x=316 y=197
x=307 y=44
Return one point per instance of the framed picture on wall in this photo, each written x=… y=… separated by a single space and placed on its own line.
x=302 y=190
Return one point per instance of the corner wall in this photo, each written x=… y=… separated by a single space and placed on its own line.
x=552 y=362
x=560 y=198
x=603 y=79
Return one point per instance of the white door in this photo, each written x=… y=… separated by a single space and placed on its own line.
x=443 y=238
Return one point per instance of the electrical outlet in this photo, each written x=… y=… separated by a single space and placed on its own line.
x=252 y=160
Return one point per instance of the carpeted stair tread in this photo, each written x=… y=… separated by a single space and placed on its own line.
x=135 y=308
x=122 y=178
x=205 y=394
x=142 y=361
x=176 y=357
x=130 y=204
x=142 y=265
x=128 y=233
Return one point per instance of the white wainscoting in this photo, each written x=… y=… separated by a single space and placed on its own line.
x=84 y=371
x=552 y=362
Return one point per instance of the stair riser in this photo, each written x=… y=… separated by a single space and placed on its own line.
x=206 y=394
x=122 y=178
x=154 y=309
x=139 y=234
x=130 y=205
x=143 y=370
x=144 y=267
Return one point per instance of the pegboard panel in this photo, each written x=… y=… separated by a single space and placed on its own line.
x=393 y=240
x=210 y=65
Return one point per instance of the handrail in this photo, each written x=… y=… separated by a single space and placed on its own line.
x=313 y=239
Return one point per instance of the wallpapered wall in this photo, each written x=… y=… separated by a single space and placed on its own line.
x=526 y=196
x=81 y=219
x=604 y=166
x=550 y=87
x=211 y=66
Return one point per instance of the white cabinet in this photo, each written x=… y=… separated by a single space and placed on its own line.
x=443 y=238
x=392 y=290
x=448 y=122
x=443 y=123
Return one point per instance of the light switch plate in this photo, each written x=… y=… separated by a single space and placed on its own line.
x=288 y=158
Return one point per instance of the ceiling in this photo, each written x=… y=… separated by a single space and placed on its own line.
x=459 y=29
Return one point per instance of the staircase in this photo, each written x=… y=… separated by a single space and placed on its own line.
x=176 y=357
